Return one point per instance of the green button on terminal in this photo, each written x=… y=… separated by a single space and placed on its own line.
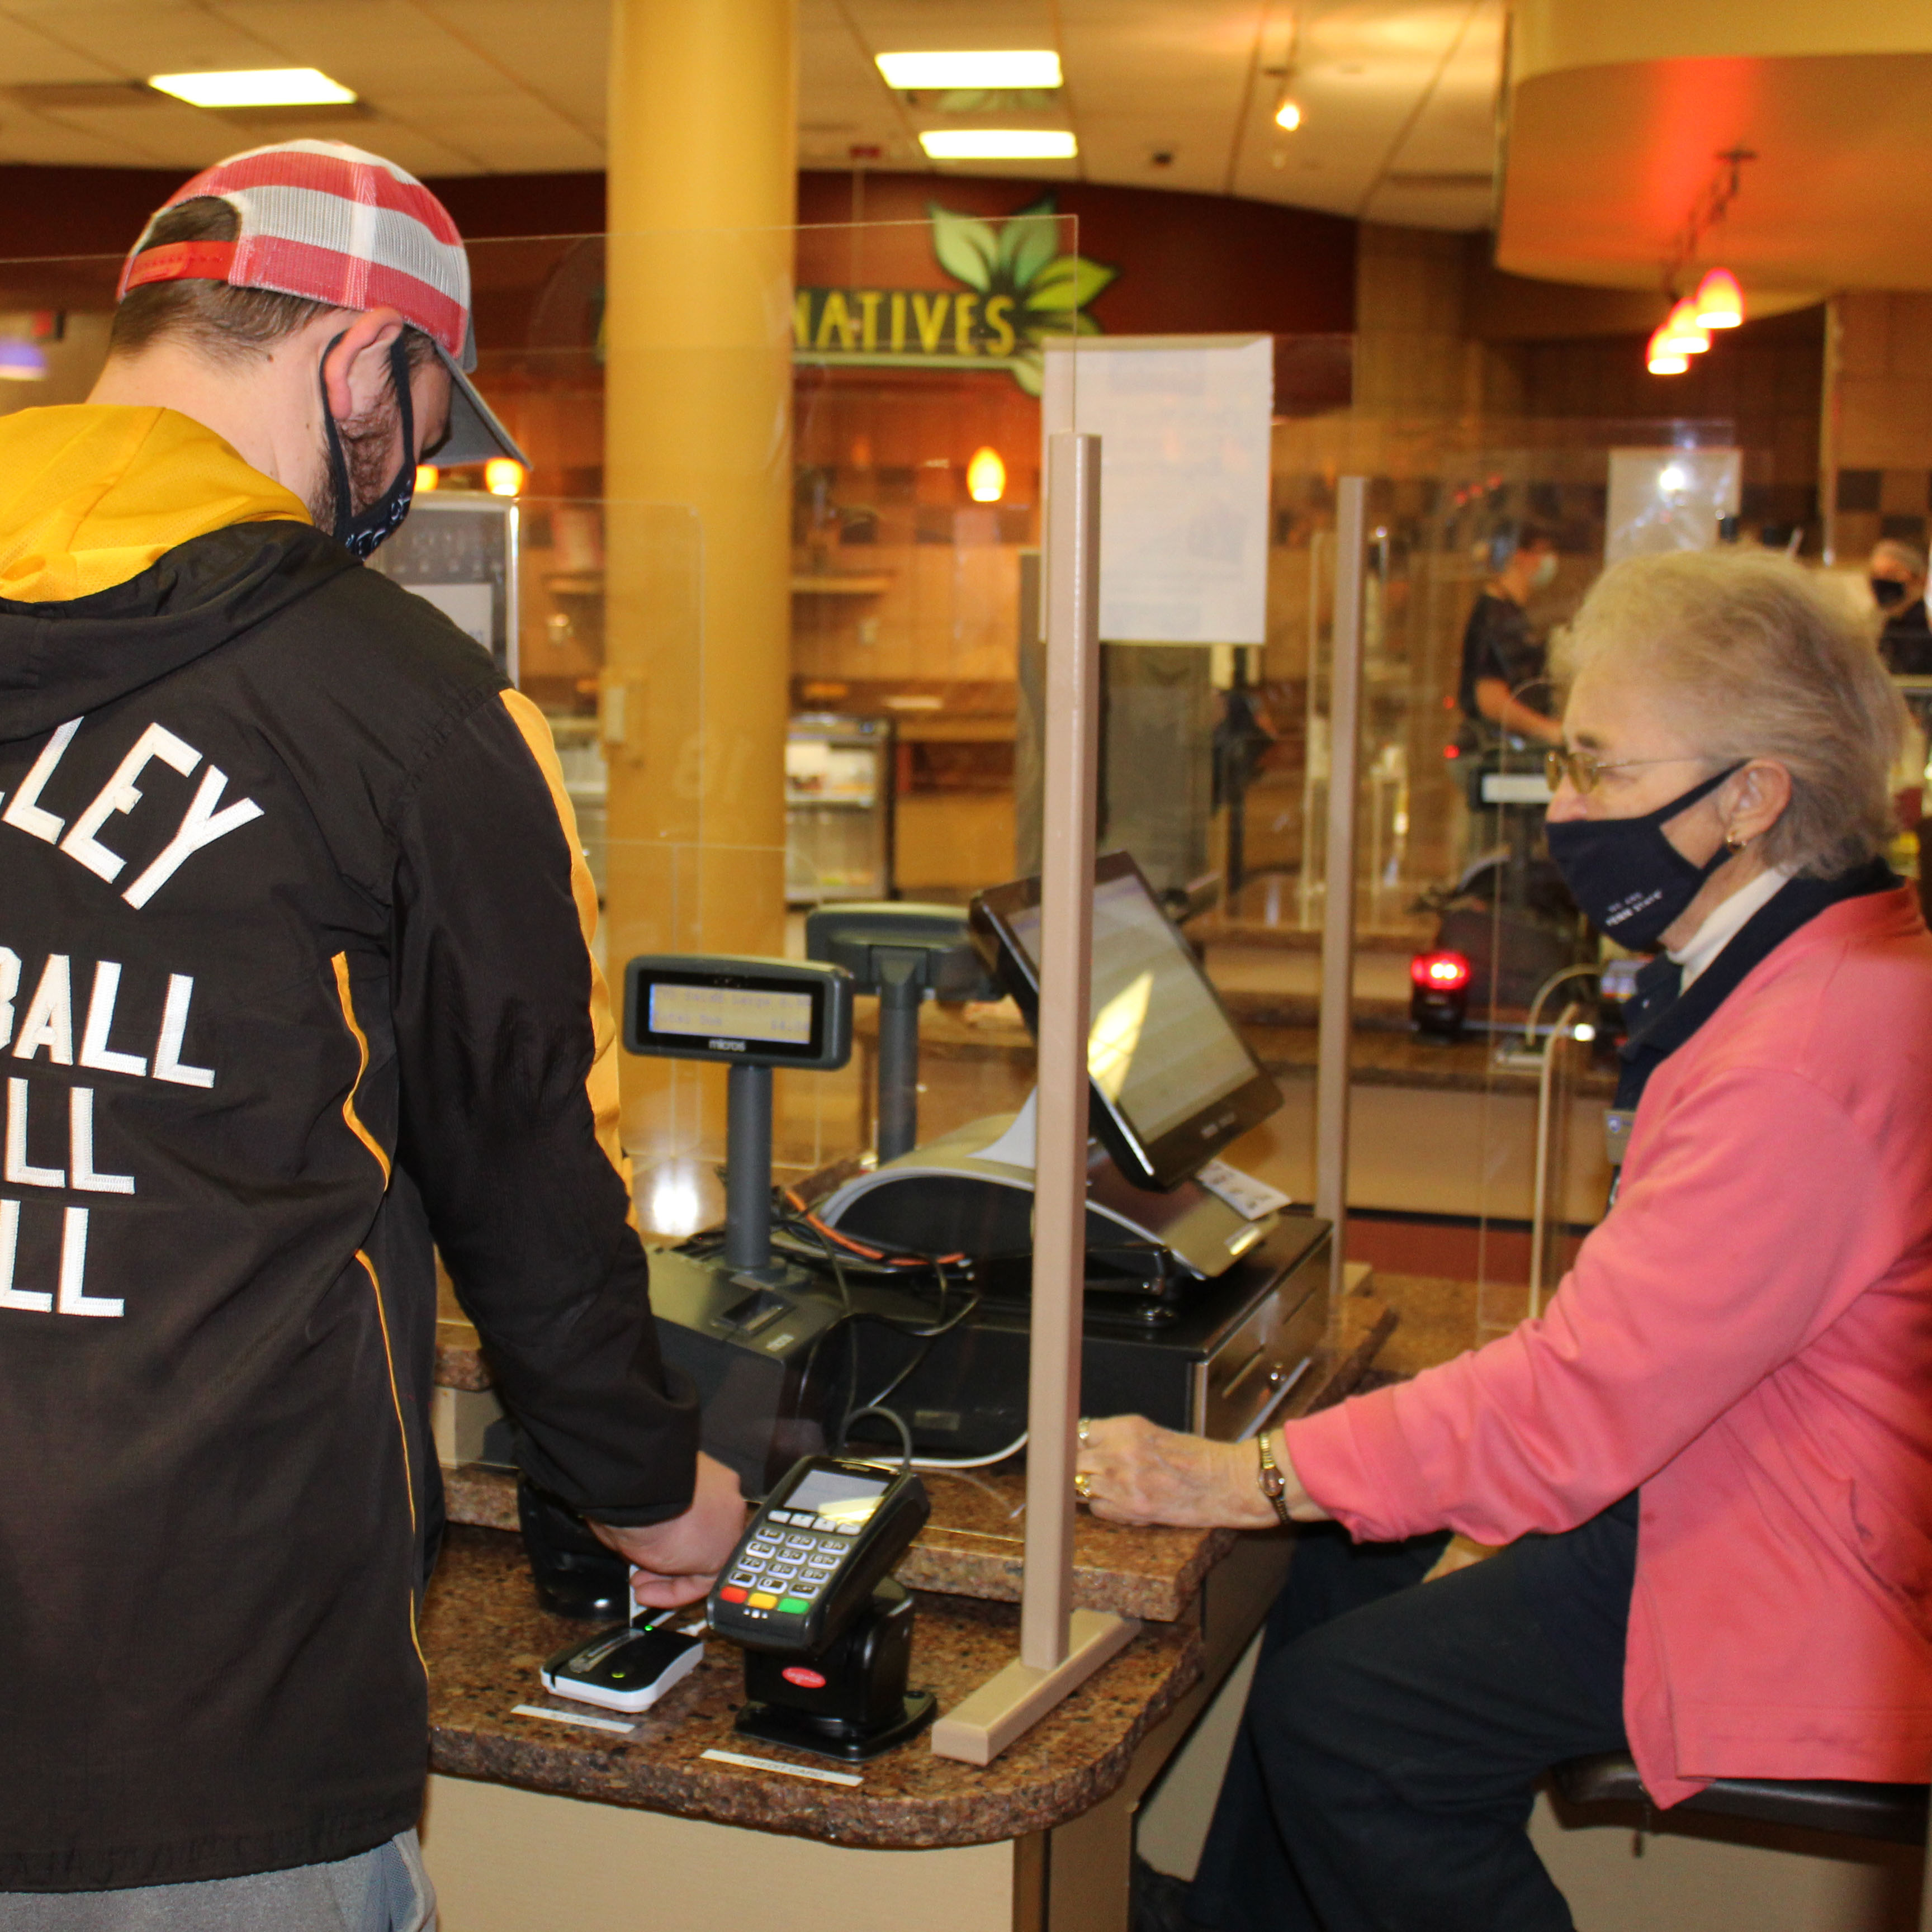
x=795 y=1607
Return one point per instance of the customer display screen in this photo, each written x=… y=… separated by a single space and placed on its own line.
x=743 y=1012
x=1164 y=1058
x=837 y=1495
x=728 y=1006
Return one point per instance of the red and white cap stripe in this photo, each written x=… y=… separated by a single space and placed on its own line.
x=332 y=223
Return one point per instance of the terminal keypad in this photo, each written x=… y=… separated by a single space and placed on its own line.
x=785 y=1570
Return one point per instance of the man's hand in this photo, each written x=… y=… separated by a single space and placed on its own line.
x=677 y=1561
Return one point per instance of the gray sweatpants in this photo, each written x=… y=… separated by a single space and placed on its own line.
x=386 y=1890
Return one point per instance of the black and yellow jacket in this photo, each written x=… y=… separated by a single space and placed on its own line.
x=294 y=977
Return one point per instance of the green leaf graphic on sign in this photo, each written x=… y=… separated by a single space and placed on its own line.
x=1027 y=241
x=967 y=247
x=1068 y=282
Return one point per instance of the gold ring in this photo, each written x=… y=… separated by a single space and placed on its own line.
x=1083 y=1487
x=1081 y=1427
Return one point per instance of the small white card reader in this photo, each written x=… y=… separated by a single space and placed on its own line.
x=627 y=1667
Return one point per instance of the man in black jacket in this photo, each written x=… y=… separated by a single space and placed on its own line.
x=295 y=976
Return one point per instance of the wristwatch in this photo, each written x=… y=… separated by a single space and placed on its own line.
x=1269 y=1480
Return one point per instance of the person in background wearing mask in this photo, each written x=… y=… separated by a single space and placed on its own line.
x=1711 y=1456
x=1896 y=575
x=295 y=975
x=1502 y=658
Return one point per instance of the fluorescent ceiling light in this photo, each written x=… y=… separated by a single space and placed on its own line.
x=999 y=144
x=254 y=87
x=920 y=72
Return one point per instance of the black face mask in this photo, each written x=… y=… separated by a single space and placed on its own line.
x=361 y=533
x=1889 y=592
x=1630 y=881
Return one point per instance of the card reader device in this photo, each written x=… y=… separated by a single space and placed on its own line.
x=827 y=1633
x=626 y=1669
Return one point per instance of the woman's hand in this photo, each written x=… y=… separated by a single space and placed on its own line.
x=1138 y=1472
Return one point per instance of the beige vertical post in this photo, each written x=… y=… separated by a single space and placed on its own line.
x=1060 y=1647
x=1066 y=955
x=703 y=175
x=1338 y=921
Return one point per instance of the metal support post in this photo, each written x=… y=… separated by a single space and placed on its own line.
x=748 y=1168
x=900 y=990
x=1338 y=921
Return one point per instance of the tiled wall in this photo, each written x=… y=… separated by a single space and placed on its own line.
x=1883 y=403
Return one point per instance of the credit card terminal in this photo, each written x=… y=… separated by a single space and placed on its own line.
x=821 y=1543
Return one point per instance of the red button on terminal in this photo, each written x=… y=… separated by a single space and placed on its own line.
x=731 y=1596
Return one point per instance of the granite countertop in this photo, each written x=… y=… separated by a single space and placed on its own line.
x=974 y=1544
x=485 y=1636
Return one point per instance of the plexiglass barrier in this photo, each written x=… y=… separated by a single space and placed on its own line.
x=773 y=576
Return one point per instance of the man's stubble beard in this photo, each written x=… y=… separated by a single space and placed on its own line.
x=367 y=441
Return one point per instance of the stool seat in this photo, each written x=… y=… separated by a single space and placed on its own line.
x=1894 y=1812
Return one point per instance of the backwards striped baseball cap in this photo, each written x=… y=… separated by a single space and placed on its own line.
x=330 y=223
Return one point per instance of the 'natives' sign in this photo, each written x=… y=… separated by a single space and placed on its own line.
x=1019 y=287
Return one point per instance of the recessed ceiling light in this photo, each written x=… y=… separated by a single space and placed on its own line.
x=254 y=87
x=999 y=144
x=919 y=73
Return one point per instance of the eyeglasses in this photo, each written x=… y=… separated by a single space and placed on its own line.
x=1583 y=768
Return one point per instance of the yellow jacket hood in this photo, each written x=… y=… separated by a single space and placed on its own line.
x=92 y=494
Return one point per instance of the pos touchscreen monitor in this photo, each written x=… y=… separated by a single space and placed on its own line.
x=1172 y=1080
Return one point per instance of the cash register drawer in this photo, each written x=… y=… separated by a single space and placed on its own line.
x=1235 y=1349
x=1253 y=1369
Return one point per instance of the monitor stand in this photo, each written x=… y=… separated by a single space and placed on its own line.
x=971 y=1191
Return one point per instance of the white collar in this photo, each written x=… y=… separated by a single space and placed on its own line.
x=1722 y=925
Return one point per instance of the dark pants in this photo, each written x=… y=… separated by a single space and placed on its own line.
x=1387 y=1761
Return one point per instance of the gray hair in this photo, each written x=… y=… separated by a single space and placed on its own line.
x=1767 y=666
x=1910 y=555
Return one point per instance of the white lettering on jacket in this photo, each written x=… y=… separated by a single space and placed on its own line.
x=70 y=1296
x=20 y=1172
x=94 y=1051
x=122 y=794
x=29 y=1116
x=23 y=809
x=204 y=820
x=49 y=1019
x=46 y=1022
x=174 y=1029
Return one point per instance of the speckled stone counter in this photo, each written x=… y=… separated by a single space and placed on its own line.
x=974 y=1545
x=484 y=1637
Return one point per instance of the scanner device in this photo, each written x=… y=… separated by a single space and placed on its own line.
x=628 y=1668
x=827 y=1634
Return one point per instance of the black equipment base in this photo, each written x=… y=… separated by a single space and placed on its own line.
x=837 y=1737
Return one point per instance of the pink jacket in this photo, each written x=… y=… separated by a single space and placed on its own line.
x=1748 y=1335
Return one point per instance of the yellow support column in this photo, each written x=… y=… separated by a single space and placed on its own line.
x=698 y=475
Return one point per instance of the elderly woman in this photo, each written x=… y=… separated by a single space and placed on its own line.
x=1711 y=1458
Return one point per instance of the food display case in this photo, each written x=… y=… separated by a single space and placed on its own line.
x=458 y=550
x=839 y=809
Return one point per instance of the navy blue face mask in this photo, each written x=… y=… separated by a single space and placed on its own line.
x=1631 y=882
x=361 y=533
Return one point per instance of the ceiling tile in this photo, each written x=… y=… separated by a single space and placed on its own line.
x=137 y=37
x=28 y=55
x=462 y=86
